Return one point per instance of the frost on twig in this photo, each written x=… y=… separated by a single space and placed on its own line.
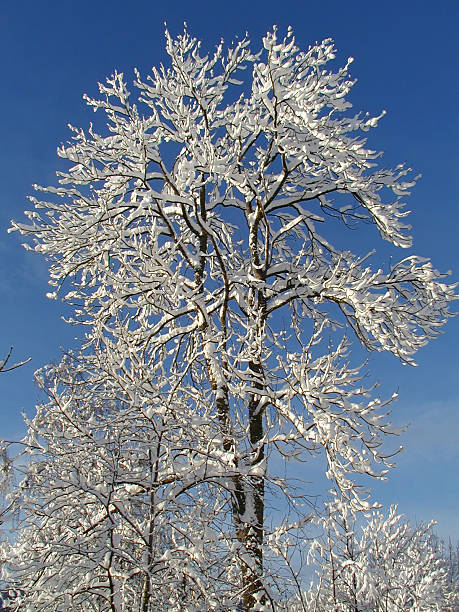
x=4 y=367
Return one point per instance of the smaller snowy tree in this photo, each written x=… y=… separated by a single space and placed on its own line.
x=384 y=564
x=100 y=528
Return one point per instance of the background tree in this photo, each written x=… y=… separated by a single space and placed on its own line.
x=451 y=557
x=383 y=564
x=186 y=233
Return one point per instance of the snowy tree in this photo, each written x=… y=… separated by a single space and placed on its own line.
x=184 y=234
x=385 y=564
x=99 y=528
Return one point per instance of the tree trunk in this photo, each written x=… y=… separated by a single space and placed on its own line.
x=252 y=532
x=255 y=497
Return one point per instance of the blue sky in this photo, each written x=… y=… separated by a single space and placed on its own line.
x=405 y=61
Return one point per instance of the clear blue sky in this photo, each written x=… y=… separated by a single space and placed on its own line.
x=406 y=56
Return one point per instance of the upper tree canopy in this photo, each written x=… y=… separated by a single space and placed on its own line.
x=186 y=238
x=193 y=219
x=282 y=153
